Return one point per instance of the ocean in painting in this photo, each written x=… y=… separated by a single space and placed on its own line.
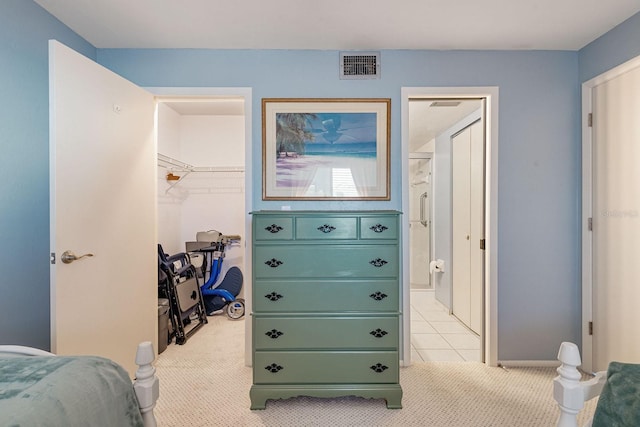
x=317 y=171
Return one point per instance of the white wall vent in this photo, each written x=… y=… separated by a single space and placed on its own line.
x=359 y=65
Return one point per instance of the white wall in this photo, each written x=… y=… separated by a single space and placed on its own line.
x=169 y=203
x=201 y=200
x=216 y=200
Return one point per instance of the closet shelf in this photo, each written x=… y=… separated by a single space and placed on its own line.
x=176 y=166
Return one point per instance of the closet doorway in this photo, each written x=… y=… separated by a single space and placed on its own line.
x=452 y=128
x=203 y=182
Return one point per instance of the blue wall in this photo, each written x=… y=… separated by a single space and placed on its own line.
x=25 y=29
x=538 y=276
x=612 y=49
x=539 y=131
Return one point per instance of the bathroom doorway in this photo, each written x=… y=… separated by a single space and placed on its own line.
x=431 y=119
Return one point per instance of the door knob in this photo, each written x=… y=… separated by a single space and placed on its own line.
x=68 y=257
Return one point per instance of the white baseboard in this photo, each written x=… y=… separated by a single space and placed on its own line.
x=528 y=363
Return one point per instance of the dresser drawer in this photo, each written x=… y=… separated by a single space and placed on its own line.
x=379 y=227
x=322 y=228
x=331 y=333
x=325 y=367
x=348 y=261
x=307 y=296
x=273 y=228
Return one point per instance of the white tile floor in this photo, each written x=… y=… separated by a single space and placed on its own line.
x=436 y=336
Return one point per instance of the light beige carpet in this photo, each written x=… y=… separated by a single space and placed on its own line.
x=205 y=383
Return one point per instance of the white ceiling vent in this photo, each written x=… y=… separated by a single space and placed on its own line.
x=359 y=65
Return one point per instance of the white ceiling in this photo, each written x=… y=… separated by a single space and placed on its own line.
x=209 y=106
x=426 y=120
x=342 y=24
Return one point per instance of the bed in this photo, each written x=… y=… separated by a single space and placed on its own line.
x=38 y=388
x=617 y=389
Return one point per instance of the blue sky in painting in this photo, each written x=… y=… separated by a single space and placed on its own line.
x=343 y=128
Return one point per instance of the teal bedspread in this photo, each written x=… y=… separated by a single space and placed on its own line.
x=619 y=402
x=66 y=391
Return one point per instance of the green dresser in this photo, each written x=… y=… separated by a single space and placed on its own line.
x=326 y=299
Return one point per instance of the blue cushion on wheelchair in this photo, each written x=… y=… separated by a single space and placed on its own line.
x=232 y=281
x=215 y=299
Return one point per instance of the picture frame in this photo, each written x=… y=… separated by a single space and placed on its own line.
x=326 y=148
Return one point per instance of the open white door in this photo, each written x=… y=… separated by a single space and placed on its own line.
x=103 y=202
x=616 y=220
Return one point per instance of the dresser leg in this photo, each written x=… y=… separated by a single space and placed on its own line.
x=258 y=398
x=394 y=399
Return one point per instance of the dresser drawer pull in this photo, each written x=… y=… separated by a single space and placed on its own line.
x=379 y=367
x=273 y=228
x=273 y=263
x=378 y=296
x=378 y=262
x=274 y=368
x=378 y=228
x=326 y=228
x=275 y=334
x=378 y=333
x=274 y=296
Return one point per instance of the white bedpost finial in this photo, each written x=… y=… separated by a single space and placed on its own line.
x=147 y=385
x=566 y=386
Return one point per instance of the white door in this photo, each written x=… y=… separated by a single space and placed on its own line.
x=103 y=202
x=467 y=220
x=476 y=226
x=616 y=220
x=461 y=222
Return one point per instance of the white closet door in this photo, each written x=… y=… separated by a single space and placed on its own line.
x=468 y=190
x=461 y=212
x=616 y=220
x=477 y=228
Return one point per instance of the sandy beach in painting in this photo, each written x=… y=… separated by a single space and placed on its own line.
x=299 y=170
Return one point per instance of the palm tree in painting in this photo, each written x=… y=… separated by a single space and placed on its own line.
x=292 y=130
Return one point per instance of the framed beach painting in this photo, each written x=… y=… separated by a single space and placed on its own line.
x=325 y=149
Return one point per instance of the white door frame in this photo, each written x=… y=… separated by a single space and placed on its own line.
x=490 y=330
x=587 y=204
x=246 y=94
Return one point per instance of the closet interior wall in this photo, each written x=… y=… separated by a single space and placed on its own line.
x=206 y=152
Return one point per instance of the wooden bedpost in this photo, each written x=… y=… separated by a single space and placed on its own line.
x=568 y=390
x=147 y=385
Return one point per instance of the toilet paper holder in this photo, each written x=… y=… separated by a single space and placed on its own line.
x=436 y=266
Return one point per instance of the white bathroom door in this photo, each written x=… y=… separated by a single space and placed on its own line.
x=616 y=220
x=103 y=203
